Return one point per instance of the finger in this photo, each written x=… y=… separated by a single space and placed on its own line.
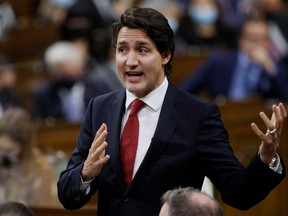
x=278 y=118
x=100 y=130
x=265 y=138
x=266 y=121
x=100 y=151
x=100 y=136
x=96 y=154
x=282 y=110
x=92 y=169
x=257 y=131
x=103 y=161
x=100 y=163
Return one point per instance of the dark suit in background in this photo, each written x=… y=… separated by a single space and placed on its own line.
x=47 y=100
x=215 y=78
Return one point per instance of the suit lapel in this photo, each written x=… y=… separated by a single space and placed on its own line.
x=168 y=119
x=113 y=140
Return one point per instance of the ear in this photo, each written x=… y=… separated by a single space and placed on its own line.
x=166 y=57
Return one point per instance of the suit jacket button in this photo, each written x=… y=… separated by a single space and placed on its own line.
x=125 y=198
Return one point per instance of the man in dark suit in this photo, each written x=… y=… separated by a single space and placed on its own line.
x=181 y=138
x=248 y=72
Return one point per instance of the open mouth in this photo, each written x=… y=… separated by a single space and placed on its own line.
x=134 y=74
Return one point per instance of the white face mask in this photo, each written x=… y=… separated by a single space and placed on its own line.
x=203 y=15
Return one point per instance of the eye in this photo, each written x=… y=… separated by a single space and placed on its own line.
x=122 y=50
x=143 y=50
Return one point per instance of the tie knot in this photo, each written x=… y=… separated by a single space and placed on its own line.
x=136 y=106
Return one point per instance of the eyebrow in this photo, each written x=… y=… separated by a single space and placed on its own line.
x=141 y=43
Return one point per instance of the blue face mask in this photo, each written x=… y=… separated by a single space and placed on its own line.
x=63 y=3
x=203 y=15
x=173 y=24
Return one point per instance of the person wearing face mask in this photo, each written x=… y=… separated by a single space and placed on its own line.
x=199 y=26
x=25 y=175
x=68 y=92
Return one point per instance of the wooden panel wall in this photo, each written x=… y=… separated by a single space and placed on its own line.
x=237 y=118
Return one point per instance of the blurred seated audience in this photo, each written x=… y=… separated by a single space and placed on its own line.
x=25 y=175
x=232 y=14
x=171 y=9
x=70 y=88
x=87 y=21
x=189 y=202
x=276 y=14
x=199 y=27
x=103 y=60
x=250 y=71
x=15 y=209
x=8 y=18
x=8 y=95
x=54 y=11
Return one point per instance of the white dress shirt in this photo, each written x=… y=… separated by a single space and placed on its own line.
x=148 y=118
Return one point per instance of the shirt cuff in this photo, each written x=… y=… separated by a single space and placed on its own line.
x=276 y=165
x=85 y=186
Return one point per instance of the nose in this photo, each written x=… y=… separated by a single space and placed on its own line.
x=132 y=60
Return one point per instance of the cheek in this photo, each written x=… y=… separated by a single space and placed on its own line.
x=120 y=63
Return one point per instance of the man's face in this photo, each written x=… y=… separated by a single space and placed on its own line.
x=255 y=36
x=67 y=70
x=164 y=210
x=139 y=64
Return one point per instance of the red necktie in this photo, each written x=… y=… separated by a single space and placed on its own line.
x=129 y=141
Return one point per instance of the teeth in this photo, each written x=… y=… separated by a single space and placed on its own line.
x=134 y=74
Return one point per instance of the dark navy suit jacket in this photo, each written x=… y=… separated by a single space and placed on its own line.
x=215 y=77
x=190 y=142
x=47 y=101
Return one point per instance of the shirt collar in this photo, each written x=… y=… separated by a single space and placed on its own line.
x=154 y=99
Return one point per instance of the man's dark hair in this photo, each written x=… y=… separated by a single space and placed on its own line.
x=15 y=209
x=154 y=24
x=185 y=202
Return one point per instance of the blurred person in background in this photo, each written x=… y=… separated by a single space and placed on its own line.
x=248 y=72
x=8 y=18
x=86 y=24
x=15 y=209
x=8 y=95
x=199 y=27
x=103 y=60
x=70 y=89
x=232 y=15
x=25 y=175
x=275 y=12
x=171 y=9
x=189 y=202
x=54 y=11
